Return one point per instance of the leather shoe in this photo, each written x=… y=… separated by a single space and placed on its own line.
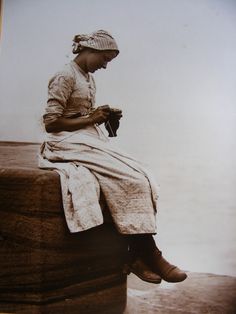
x=164 y=269
x=143 y=271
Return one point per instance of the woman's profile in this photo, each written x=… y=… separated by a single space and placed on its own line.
x=88 y=164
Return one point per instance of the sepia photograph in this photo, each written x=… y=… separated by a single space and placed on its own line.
x=117 y=156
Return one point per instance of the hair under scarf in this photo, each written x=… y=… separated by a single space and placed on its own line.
x=99 y=40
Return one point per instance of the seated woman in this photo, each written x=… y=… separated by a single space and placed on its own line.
x=76 y=146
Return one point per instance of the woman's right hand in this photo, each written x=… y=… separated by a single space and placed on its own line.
x=100 y=114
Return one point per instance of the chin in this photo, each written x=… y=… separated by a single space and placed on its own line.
x=94 y=70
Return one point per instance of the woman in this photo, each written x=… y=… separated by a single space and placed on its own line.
x=88 y=164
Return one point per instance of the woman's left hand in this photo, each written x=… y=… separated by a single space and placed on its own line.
x=116 y=112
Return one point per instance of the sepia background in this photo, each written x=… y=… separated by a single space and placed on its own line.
x=175 y=81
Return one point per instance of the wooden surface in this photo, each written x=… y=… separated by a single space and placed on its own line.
x=43 y=267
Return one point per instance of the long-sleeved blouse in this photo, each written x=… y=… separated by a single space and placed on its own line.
x=71 y=92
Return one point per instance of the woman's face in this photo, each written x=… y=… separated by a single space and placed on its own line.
x=99 y=59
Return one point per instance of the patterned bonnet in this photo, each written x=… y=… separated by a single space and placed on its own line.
x=99 y=40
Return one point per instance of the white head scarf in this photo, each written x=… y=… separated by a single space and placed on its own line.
x=99 y=40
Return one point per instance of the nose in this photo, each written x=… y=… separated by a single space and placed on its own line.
x=104 y=66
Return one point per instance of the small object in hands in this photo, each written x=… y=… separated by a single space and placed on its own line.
x=113 y=122
x=76 y=115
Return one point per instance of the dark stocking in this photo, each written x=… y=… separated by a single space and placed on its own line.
x=141 y=245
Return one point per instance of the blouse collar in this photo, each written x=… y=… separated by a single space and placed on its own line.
x=78 y=68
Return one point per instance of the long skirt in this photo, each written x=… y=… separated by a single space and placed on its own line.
x=91 y=164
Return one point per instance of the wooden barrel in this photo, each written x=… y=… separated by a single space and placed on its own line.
x=43 y=267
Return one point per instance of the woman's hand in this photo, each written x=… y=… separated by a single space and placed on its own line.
x=100 y=114
x=116 y=113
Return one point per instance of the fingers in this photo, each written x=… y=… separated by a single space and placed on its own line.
x=116 y=110
x=117 y=113
x=113 y=110
x=103 y=113
x=100 y=115
x=116 y=116
x=104 y=107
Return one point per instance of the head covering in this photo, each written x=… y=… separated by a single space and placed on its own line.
x=99 y=40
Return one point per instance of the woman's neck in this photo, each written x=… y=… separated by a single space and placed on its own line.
x=82 y=67
x=81 y=62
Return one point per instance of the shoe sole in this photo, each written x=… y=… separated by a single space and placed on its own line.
x=145 y=279
x=175 y=280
